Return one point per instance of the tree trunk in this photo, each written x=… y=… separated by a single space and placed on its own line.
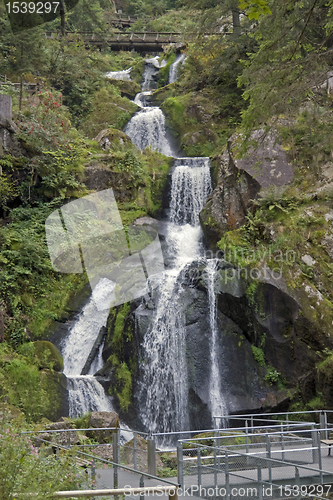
x=236 y=22
x=62 y=18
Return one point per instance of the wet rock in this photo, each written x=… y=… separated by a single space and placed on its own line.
x=227 y=206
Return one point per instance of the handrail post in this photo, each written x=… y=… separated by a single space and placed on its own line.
x=325 y=421
x=269 y=456
x=227 y=475
x=215 y=467
x=320 y=459
x=247 y=436
x=151 y=457
x=199 y=467
x=282 y=442
x=135 y=451
x=260 y=482
x=115 y=458
x=322 y=425
x=297 y=482
x=142 y=485
x=315 y=456
x=180 y=470
x=93 y=470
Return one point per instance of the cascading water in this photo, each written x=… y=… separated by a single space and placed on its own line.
x=217 y=404
x=85 y=393
x=174 y=68
x=147 y=127
x=124 y=75
x=164 y=389
x=163 y=392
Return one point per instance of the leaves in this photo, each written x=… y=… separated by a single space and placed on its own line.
x=255 y=8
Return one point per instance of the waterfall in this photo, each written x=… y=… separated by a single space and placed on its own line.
x=162 y=396
x=217 y=404
x=85 y=393
x=163 y=392
x=174 y=68
x=147 y=127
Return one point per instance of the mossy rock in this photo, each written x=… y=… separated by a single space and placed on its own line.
x=127 y=89
x=48 y=356
x=108 y=109
x=55 y=386
x=11 y=412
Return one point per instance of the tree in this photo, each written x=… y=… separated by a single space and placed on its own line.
x=291 y=63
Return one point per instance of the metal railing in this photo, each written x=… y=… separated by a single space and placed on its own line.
x=212 y=462
x=256 y=419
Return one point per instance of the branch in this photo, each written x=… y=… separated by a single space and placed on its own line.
x=305 y=26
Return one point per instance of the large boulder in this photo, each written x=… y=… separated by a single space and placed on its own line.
x=267 y=163
x=48 y=355
x=103 y=419
x=294 y=323
x=69 y=437
x=227 y=206
x=239 y=180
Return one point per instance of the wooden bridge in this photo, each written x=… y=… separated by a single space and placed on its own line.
x=140 y=41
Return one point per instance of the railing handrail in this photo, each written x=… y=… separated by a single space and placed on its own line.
x=88 y=429
x=275 y=433
x=116 y=492
x=278 y=413
x=268 y=459
x=104 y=460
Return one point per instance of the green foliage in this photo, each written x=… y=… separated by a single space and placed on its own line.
x=44 y=125
x=8 y=190
x=25 y=472
x=272 y=375
x=286 y=70
x=32 y=292
x=255 y=8
x=120 y=359
x=21 y=383
x=134 y=166
x=258 y=355
x=108 y=109
x=163 y=73
x=82 y=422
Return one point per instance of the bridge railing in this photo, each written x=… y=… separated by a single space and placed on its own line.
x=216 y=467
x=89 y=460
x=254 y=419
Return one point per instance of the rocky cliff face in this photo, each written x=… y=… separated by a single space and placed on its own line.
x=289 y=325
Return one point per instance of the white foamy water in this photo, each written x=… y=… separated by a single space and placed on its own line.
x=147 y=129
x=164 y=386
x=174 y=68
x=85 y=393
x=124 y=75
x=217 y=404
x=82 y=336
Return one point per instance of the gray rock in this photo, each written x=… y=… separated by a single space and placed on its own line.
x=227 y=206
x=268 y=163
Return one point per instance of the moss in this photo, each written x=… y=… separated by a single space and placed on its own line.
x=108 y=109
x=122 y=360
x=258 y=355
x=53 y=304
x=48 y=356
x=127 y=89
x=163 y=74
